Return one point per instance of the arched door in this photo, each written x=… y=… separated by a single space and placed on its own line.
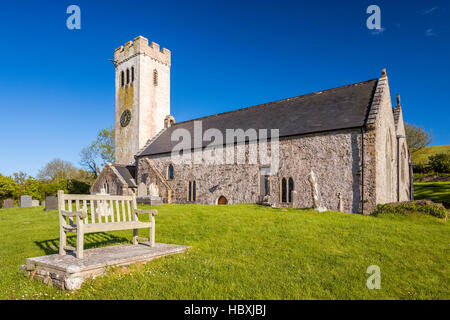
x=222 y=200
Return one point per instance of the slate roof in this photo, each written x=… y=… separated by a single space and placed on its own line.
x=333 y=109
x=128 y=173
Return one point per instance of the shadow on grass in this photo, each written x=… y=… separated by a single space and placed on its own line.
x=91 y=240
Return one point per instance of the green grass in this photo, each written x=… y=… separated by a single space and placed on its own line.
x=248 y=252
x=422 y=155
x=434 y=191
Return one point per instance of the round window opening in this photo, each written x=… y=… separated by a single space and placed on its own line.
x=125 y=118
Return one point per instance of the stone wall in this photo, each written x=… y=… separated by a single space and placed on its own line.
x=392 y=165
x=335 y=157
x=116 y=184
x=404 y=172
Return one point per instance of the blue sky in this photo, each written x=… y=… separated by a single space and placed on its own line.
x=57 y=85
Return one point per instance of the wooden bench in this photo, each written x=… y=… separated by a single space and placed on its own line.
x=81 y=214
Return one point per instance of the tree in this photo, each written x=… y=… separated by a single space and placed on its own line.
x=105 y=145
x=57 y=170
x=416 y=137
x=440 y=162
x=8 y=187
x=99 y=152
x=89 y=160
x=33 y=188
x=20 y=178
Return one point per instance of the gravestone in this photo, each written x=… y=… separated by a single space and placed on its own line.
x=35 y=203
x=154 y=190
x=43 y=203
x=26 y=201
x=142 y=190
x=153 y=199
x=8 y=203
x=51 y=203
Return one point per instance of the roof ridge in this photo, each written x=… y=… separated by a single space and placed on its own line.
x=267 y=103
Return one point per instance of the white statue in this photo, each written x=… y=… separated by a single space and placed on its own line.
x=315 y=192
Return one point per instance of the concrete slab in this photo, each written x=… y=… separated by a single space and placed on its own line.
x=68 y=272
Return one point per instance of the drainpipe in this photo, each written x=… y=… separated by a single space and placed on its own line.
x=398 y=166
x=411 y=180
x=362 y=170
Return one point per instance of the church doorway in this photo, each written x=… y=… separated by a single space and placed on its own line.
x=222 y=200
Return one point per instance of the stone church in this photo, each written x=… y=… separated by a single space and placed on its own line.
x=341 y=149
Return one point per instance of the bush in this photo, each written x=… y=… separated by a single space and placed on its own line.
x=78 y=187
x=8 y=187
x=410 y=207
x=440 y=162
x=419 y=168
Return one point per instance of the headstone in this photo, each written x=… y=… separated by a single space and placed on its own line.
x=153 y=190
x=35 y=203
x=142 y=190
x=26 y=201
x=51 y=203
x=153 y=198
x=8 y=203
x=43 y=203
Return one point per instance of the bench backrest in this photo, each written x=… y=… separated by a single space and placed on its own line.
x=99 y=208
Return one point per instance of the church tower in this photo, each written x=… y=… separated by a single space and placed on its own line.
x=142 y=95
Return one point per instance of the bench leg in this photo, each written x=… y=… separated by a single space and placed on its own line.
x=152 y=231
x=80 y=242
x=62 y=242
x=135 y=236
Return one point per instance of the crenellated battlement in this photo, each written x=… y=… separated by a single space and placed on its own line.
x=140 y=46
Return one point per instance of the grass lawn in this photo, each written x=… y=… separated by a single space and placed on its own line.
x=248 y=252
x=434 y=191
x=422 y=155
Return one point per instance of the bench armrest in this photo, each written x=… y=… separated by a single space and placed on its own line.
x=140 y=211
x=80 y=214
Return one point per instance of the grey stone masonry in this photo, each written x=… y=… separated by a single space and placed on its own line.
x=68 y=273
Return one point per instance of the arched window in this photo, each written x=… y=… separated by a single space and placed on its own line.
x=128 y=76
x=106 y=187
x=122 y=78
x=388 y=161
x=155 y=77
x=290 y=188
x=191 y=191
x=283 y=190
x=170 y=172
x=194 y=191
x=403 y=164
x=132 y=74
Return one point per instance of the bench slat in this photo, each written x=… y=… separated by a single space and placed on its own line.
x=115 y=226
x=94 y=197
x=92 y=211
x=123 y=211
x=87 y=212
x=129 y=211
